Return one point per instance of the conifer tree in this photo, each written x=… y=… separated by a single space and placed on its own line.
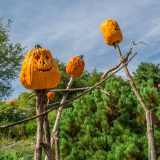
x=108 y=127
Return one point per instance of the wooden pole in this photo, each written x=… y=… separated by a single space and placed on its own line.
x=55 y=132
x=47 y=145
x=42 y=127
x=140 y=99
x=150 y=134
x=39 y=110
x=56 y=143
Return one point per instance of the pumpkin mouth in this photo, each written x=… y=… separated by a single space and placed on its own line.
x=44 y=70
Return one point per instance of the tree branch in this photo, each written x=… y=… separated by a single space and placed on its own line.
x=104 y=92
x=71 y=89
x=68 y=101
x=143 y=104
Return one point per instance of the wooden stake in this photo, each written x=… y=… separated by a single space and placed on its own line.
x=39 y=110
x=140 y=99
x=57 y=146
x=47 y=145
x=55 y=132
x=42 y=127
x=150 y=135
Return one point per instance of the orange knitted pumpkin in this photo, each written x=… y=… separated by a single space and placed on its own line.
x=111 y=32
x=11 y=102
x=75 y=66
x=39 y=70
x=51 y=95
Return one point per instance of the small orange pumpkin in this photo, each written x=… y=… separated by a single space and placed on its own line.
x=75 y=66
x=111 y=32
x=11 y=102
x=51 y=95
x=39 y=70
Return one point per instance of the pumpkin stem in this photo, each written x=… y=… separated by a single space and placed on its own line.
x=38 y=46
x=81 y=56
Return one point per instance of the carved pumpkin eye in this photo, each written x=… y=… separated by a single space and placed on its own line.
x=47 y=57
x=37 y=57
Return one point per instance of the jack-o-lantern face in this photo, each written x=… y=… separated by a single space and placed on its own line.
x=39 y=70
x=111 y=32
x=75 y=66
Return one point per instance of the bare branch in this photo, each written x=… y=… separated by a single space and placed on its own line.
x=117 y=66
x=71 y=89
x=143 y=104
x=55 y=135
x=133 y=43
x=32 y=95
x=68 y=101
x=106 y=93
x=52 y=104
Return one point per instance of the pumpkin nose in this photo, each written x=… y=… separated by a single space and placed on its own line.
x=43 y=63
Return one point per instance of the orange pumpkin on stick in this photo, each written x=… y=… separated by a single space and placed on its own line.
x=75 y=66
x=39 y=70
x=111 y=32
x=51 y=95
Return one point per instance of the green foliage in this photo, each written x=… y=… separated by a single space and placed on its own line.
x=147 y=71
x=96 y=126
x=17 y=150
x=108 y=127
x=23 y=108
x=10 y=58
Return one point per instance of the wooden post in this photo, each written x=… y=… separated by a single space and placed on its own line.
x=140 y=99
x=55 y=132
x=39 y=110
x=47 y=145
x=42 y=127
x=150 y=134
x=57 y=146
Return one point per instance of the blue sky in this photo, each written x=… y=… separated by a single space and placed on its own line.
x=72 y=27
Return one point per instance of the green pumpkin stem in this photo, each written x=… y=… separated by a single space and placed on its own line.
x=38 y=46
x=81 y=56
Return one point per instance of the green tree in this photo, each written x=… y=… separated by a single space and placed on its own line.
x=10 y=58
x=147 y=71
x=96 y=126
x=109 y=127
x=24 y=107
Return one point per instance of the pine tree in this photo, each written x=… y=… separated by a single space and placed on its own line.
x=108 y=127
